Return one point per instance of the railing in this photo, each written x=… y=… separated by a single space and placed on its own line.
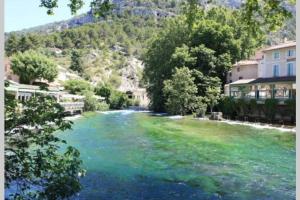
x=72 y=105
x=281 y=94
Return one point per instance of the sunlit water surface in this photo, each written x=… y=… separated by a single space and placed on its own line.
x=137 y=156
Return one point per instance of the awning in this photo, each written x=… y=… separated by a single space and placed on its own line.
x=275 y=79
x=242 y=81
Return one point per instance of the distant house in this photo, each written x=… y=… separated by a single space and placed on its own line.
x=245 y=69
x=271 y=76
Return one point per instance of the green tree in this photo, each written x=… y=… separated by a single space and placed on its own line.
x=180 y=91
x=100 y=7
x=203 y=82
x=213 y=97
x=258 y=14
x=266 y=14
x=77 y=86
x=29 y=42
x=31 y=65
x=210 y=48
x=103 y=91
x=76 y=61
x=67 y=43
x=35 y=165
x=12 y=44
x=199 y=106
x=158 y=56
x=118 y=100
x=90 y=101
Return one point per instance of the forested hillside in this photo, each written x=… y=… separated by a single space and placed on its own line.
x=110 y=47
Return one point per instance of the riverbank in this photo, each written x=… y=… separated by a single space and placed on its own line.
x=179 y=117
x=261 y=125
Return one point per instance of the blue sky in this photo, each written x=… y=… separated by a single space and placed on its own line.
x=20 y=14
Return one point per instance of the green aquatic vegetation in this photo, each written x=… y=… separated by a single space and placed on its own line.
x=221 y=151
x=139 y=150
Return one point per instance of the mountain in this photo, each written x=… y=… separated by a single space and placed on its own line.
x=160 y=9
x=112 y=47
x=121 y=7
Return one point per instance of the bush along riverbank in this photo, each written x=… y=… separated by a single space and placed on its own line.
x=267 y=111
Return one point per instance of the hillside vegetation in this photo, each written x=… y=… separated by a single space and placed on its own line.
x=111 y=46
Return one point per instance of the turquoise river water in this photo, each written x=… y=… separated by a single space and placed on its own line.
x=137 y=156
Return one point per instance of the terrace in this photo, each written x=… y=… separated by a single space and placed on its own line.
x=281 y=88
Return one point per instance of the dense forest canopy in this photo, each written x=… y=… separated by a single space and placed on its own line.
x=129 y=32
x=208 y=45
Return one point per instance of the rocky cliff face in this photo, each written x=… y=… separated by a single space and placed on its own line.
x=138 y=8
x=121 y=7
x=130 y=80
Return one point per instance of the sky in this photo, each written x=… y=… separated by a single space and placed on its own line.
x=20 y=14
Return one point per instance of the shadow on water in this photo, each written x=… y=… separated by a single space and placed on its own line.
x=137 y=188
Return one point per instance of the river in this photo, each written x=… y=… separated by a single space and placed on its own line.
x=137 y=156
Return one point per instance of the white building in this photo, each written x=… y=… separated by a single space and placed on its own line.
x=273 y=76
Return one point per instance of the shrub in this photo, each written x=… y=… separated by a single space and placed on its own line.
x=253 y=106
x=291 y=109
x=200 y=110
x=242 y=107
x=77 y=86
x=90 y=102
x=270 y=108
x=228 y=107
x=103 y=91
x=102 y=106
x=118 y=100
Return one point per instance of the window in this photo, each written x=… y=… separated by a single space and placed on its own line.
x=276 y=70
x=240 y=77
x=282 y=94
x=291 y=53
x=230 y=74
x=238 y=69
x=276 y=55
x=290 y=68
